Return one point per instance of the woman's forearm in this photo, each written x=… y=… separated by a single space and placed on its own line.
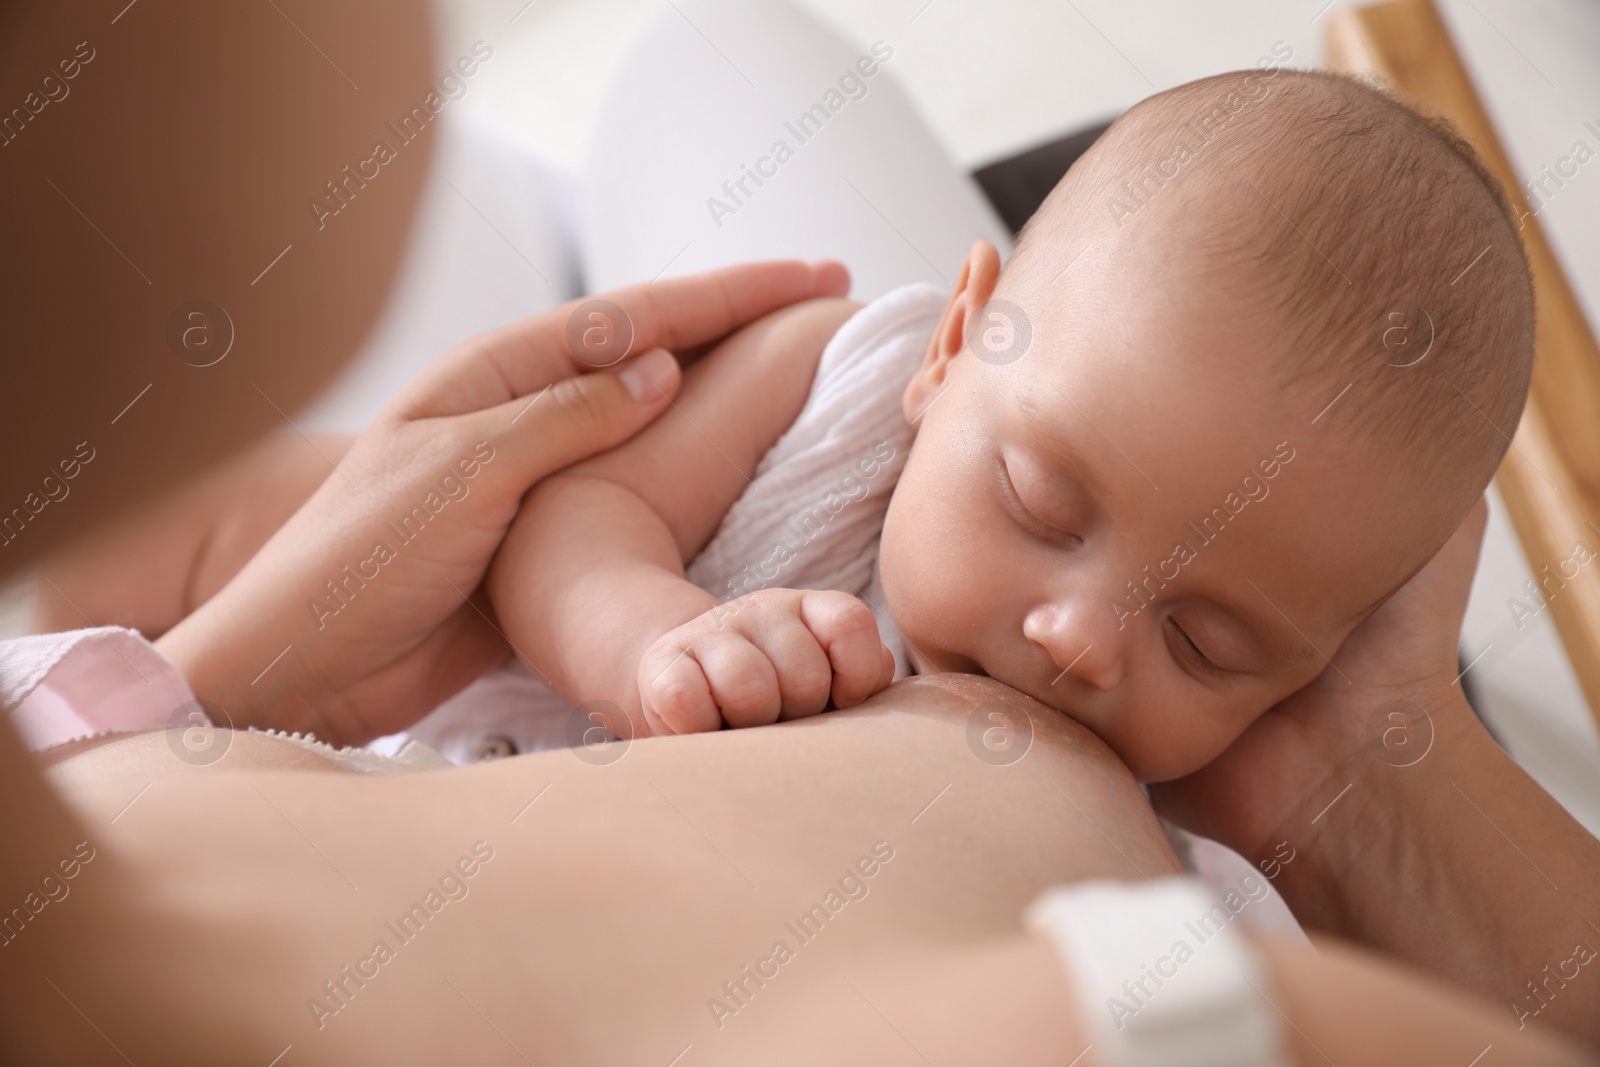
x=1460 y=864
x=1345 y=1006
x=150 y=569
x=1337 y=1006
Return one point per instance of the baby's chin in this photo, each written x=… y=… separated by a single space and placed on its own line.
x=1151 y=768
x=1158 y=760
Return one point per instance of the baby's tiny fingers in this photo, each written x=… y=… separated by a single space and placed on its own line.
x=743 y=681
x=805 y=677
x=674 y=694
x=886 y=678
x=845 y=628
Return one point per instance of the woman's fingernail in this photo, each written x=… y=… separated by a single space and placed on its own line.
x=646 y=378
x=830 y=276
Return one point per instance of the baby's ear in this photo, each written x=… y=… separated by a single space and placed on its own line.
x=972 y=290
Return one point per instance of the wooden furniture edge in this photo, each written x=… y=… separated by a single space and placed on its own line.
x=1550 y=478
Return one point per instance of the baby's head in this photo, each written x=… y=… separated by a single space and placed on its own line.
x=1281 y=332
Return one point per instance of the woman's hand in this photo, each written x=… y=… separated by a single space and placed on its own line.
x=1297 y=756
x=1392 y=818
x=361 y=614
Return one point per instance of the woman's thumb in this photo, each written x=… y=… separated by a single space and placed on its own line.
x=574 y=418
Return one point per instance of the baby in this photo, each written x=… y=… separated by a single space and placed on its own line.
x=1250 y=365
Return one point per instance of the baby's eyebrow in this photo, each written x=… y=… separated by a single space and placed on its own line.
x=1037 y=422
x=1045 y=432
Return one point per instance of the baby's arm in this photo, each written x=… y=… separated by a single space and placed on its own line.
x=589 y=582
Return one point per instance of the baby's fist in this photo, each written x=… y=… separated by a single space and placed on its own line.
x=773 y=654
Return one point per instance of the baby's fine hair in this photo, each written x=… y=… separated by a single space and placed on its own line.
x=1375 y=233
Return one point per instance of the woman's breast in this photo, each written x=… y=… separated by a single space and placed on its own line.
x=798 y=854
x=141 y=757
x=675 y=883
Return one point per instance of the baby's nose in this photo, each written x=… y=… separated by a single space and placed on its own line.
x=1080 y=643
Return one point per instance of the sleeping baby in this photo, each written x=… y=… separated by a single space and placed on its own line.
x=1251 y=363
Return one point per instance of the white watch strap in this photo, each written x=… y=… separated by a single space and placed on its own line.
x=1162 y=977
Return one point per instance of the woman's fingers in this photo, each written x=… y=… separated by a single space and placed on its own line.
x=678 y=313
x=574 y=418
x=832 y=278
x=683 y=312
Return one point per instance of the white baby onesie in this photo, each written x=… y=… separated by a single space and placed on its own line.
x=810 y=519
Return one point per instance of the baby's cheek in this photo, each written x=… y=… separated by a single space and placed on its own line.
x=1216 y=721
x=938 y=582
x=925 y=593
x=1185 y=735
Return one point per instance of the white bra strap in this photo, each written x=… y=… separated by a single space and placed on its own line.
x=1162 y=977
